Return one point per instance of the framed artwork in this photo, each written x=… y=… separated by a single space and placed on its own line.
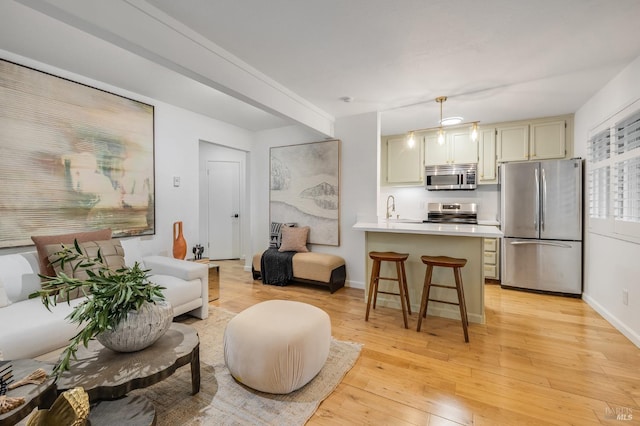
x=72 y=158
x=305 y=188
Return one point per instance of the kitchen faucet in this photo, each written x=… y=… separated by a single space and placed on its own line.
x=393 y=205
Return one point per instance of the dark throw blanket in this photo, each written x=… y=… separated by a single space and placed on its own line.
x=276 y=267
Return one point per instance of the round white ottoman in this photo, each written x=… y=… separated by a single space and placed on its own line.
x=277 y=346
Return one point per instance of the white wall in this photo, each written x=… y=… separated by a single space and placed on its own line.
x=259 y=183
x=360 y=135
x=610 y=264
x=411 y=201
x=358 y=190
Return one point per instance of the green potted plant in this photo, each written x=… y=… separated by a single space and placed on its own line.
x=112 y=300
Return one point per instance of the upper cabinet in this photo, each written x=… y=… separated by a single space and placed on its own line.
x=403 y=164
x=457 y=148
x=487 y=170
x=404 y=160
x=535 y=140
x=513 y=142
x=547 y=140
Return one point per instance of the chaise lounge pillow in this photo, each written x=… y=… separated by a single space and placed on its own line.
x=42 y=241
x=294 y=239
x=276 y=233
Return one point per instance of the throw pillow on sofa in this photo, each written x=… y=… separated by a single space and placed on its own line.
x=41 y=241
x=110 y=251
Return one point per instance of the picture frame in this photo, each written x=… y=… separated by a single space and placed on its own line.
x=73 y=158
x=304 y=188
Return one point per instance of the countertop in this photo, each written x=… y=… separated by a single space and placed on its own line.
x=456 y=230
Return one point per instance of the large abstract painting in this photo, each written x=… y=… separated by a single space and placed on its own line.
x=72 y=158
x=305 y=188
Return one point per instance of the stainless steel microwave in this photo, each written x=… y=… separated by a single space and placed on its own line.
x=450 y=177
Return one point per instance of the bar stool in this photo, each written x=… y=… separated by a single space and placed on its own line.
x=445 y=262
x=399 y=259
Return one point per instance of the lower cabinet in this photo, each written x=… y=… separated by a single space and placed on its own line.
x=492 y=258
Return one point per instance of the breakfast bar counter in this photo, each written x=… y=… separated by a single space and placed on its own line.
x=431 y=239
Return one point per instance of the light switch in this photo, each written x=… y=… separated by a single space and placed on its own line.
x=176 y=181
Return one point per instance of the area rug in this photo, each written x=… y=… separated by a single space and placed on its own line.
x=223 y=401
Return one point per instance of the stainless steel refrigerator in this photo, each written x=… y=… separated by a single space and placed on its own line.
x=541 y=217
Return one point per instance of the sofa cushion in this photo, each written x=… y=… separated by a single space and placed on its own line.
x=4 y=299
x=18 y=276
x=132 y=251
x=315 y=266
x=178 y=291
x=32 y=330
x=110 y=250
x=294 y=239
x=41 y=241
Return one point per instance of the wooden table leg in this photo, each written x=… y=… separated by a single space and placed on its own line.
x=195 y=371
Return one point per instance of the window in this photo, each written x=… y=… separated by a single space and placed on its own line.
x=613 y=174
x=599 y=184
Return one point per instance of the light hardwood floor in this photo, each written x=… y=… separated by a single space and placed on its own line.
x=538 y=360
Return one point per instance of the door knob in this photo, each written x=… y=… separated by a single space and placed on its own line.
x=235 y=215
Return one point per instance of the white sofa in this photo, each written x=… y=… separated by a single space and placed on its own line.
x=28 y=329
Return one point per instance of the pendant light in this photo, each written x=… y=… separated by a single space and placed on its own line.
x=474 y=131
x=440 y=100
x=411 y=141
x=455 y=122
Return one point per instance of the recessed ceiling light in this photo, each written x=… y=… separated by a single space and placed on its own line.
x=346 y=99
x=450 y=121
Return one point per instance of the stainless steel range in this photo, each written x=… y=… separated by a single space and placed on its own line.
x=452 y=213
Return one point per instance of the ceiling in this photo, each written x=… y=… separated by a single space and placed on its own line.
x=497 y=60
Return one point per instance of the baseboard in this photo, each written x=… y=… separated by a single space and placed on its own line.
x=447 y=311
x=613 y=320
x=354 y=284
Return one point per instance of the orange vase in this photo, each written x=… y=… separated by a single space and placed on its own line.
x=179 y=243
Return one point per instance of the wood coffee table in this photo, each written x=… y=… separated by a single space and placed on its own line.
x=107 y=375
x=41 y=395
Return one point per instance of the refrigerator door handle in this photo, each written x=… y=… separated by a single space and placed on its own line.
x=544 y=200
x=536 y=213
x=541 y=243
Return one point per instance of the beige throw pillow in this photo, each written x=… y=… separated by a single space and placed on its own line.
x=110 y=250
x=294 y=239
x=41 y=241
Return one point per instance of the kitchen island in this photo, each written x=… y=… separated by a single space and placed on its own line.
x=420 y=239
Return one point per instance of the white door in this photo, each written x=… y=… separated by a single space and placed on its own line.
x=224 y=209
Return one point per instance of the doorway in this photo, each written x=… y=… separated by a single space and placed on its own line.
x=223 y=209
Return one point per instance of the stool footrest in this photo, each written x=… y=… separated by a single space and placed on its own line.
x=443 y=286
x=389 y=293
x=444 y=301
x=388 y=279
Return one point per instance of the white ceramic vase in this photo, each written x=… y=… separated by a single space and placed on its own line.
x=139 y=329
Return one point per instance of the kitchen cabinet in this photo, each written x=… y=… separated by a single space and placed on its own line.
x=487 y=170
x=491 y=258
x=536 y=140
x=404 y=160
x=512 y=143
x=458 y=148
x=547 y=140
